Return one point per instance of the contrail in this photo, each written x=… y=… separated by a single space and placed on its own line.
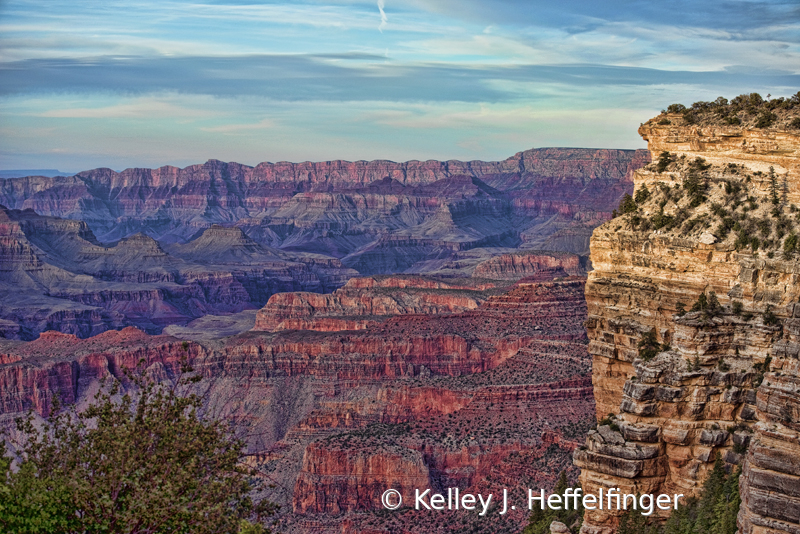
x=384 y=18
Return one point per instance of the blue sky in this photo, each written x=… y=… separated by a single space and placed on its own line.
x=125 y=84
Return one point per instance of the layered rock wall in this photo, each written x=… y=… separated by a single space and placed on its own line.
x=720 y=380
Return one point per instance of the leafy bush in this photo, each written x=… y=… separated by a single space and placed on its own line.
x=766 y=119
x=627 y=205
x=606 y=421
x=143 y=463
x=664 y=159
x=795 y=123
x=676 y=108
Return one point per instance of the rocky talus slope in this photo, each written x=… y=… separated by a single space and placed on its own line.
x=694 y=322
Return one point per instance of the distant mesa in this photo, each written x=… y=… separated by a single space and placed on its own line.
x=21 y=173
x=157 y=247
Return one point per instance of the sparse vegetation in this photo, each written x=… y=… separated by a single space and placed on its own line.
x=713 y=511
x=707 y=304
x=770 y=319
x=649 y=347
x=144 y=462
x=752 y=109
x=664 y=159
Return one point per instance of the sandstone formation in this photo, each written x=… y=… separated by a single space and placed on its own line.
x=676 y=388
x=383 y=217
x=364 y=301
x=55 y=275
x=522 y=265
x=489 y=388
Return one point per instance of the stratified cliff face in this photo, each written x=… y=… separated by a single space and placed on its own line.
x=361 y=303
x=518 y=266
x=721 y=377
x=55 y=275
x=488 y=389
x=384 y=216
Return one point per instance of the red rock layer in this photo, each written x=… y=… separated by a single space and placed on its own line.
x=486 y=398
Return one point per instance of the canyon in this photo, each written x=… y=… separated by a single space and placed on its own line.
x=693 y=323
x=376 y=325
x=390 y=381
x=160 y=248
x=360 y=325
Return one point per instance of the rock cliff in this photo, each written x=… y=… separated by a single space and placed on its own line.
x=55 y=275
x=693 y=322
x=488 y=389
x=383 y=217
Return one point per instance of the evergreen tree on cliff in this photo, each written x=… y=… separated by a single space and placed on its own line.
x=143 y=463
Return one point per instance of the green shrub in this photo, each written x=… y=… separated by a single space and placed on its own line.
x=607 y=420
x=770 y=318
x=627 y=205
x=695 y=187
x=147 y=460
x=642 y=195
x=708 y=304
x=790 y=245
x=725 y=227
x=660 y=220
x=648 y=345
x=714 y=510
x=664 y=159
x=795 y=123
x=766 y=119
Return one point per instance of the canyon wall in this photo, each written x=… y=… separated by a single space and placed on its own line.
x=156 y=248
x=338 y=207
x=56 y=275
x=694 y=324
x=475 y=383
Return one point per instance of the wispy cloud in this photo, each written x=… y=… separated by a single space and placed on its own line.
x=315 y=78
x=384 y=18
x=172 y=81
